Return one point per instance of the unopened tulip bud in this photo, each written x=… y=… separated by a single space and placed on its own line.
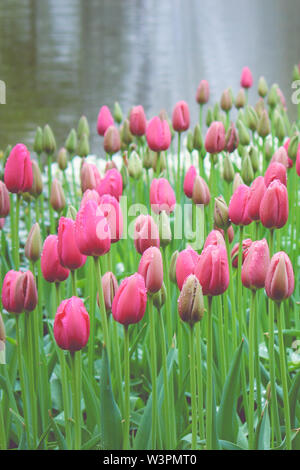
x=4 y=200
x=83 y=127
x=273 y=96
x=110 y=287
x=202 y=95
x=189 y=141
x=172 y=268
x=221 y=217
x=83 y=146
x=246 y=78
x=148 y=158
x=112 y=142
x=197 y=138
x=212 y=270
x=71 y=142
x=293 y=147
x=19 y=292
x=260 y=107
x=228 y=170
x=275 y=171
x=137 y=121
x=280 y=281
x=280 y=131
x=251 y=118
x=244 y=137
x=71 y=325
x=185 y=265
x=257 y=191
x=191 y=301
x=38 y=141
x=263 y=126
x=181 y=117
x=49 y=144
x=164 y=228
x=281 y=156
x=237 y=181
x=158 y=134
x=247 y=172
x=162 y=196
x=238 y=210
x=296 y=73
x=62 y=159
x=151 y=268
x=274 y=207
x=37 y=182
x=255 y=265
x=226 y=100
x=240 y=100
x=159 y=298
x=33 y=246
x=124 y=175
x=189 y=179
x=231 y=139
x=268 y=151
x=209 y=117
x=2 y=341
x=118 y=115
x=105 y=120
x=254 y=157
x=125 y=134
x=57 y=196
x=215 y=138
x=89 y=176
x=132 y=292
x=201 y=194
x=135 y=166
x=262 y=87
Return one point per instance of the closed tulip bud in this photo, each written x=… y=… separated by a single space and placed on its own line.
x=189 y=180
x=221 y=217
x=137 y=121
x=244 y=137
x=189 y=141
x=148 y=158
x=215 y=237
x=104 y=121
x=202 y=94
x=256 y=264
x=112 y=212
x=92 y=232
x=263 y=126
x=83 y=149
x=246 y=78
x=57 y=196
x=118 y=115
x=280 y=280
x=228 y=170
x=215 y=138
x=151 y=268
x=19 y=181
x=89 y=176
x=251 y=118
x=237 y=181
x=273 y=96
x=274 y=207
x=262 y=87
x=38 y=141
x=2 y=341
x=209 y=117
x=281 y=156
x=212 y=270
x=62 y=159
x=165 y=233
x=71 y=142
x=112 y=141
x=197 y=138
x=130 y=301
x=135 y=166
x=231 y=139
x=71 y=213
x=19 y=292
x=238 y=206
x=226 y=100
x=185 y=265
x=49 y=143
x=110 y=287
x=201 y=194
x=235 y=252
x=268 y=151
x=275 y=171
x=293 y=147
x=158 y=135
x=4 y=200
x=112 y=184
x=191 y=301
x=33 y=246
x=124 y=176
x=257 y=191
x=172 y=268
x=71 y=327
x=146 y=233
x=125 y=134
x=260 y=107
x=68 y=252
x=52 y=269
x=83 y=127
x=247 y=172
x=282 y=100
x=280 y=130
x=37 y=182
x=240 y=99
x=181 y=117
x=254 y=157
x=162 y=196
x=159 y=298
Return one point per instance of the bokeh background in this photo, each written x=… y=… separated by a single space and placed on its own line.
x=64 y=58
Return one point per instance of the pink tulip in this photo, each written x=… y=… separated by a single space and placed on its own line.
x=92 y=232
x=280 y=280
x=281 y=156
x=110 y=287
x=52 y=269
x=212 y=270
x=274 y=207
x=112 y=140
x=181 y=117
x=146 y=233
x=137 y=121
x=130 y=301
x=202 y=94
x=246 y=78
x=4 y=200
x=257 y=191
x=19 y=292
x=201 y=194
x=112 y=184
x=158 y=134
x=215 y=238
x=238 y=206
x=18 y=176
x=71 y=325
x=89 y=176
x=245 y=250
x=230 y=233
x=185 y=265
x=275 y=171
x=256 y=264
x=105 y=120
x=189 y=180
x=68 y=252
x=90 y=194
x=151 y=268
x=162 y=196
x=215 y=138
x=112 y=212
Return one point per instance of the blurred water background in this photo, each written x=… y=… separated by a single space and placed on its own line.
x=64 y=58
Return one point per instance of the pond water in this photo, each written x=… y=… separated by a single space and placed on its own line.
x=64 y=58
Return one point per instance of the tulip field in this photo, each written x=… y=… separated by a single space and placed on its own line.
x=149 y=297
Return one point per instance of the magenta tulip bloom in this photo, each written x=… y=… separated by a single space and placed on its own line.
x=158 y=134
x=89 y=176
x=281 y=156
x=238 y=206
x=212 y=270
x=215 y=238
x=274 y=207
x=257 y=191
x=19 y=292
x=90 y=194
x=4 y=200
x=256 y=264
x=162 y=196
x=215 y=138
x=189 y=180
x=112 y=184
x=68 y=252
x=52 y=269
x=146 y=233
x=18 y=176
x=246 y=78
x=151 y=268
x=280 y=280
x=275 y=171
x=110 y=287
x=130 y=301
x=71 y=325
x=181 y=117
x=105 y=120
x=112 y=212
x=245 y=250
x=137 y=121
x=185 y=265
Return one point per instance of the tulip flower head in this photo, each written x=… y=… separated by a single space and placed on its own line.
x=151 y=268
x=110 y=287
x=112 y=212
x=137 y=121
x=191 y=301
x=68 y=252
x=246 y=78
x=257 y=191
x=212 y=270
x=245 y=250
x=112 y=184
x=146 y=233
x=280 y=280
x=130 y=301
x=158 y=134
x=201 y=194
x=185 y=265
x=214 y=238
x=112 y=140
x=19 y=292
x=215 y=138
x=162 y=196
x=202 y=94
x=275 y=171
x=189 y=180
x=52 y=269
x=71 y=325
x=105 y=120
x=238 y=206
x=255 y=265
x=4 y=200
x=274 y=207
x=89 y=176
x=18 y=176
x=181 y=117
